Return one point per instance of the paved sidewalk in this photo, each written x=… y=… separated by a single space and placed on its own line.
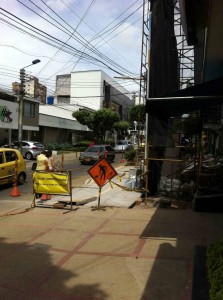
x=120 y=253
x=139 y=253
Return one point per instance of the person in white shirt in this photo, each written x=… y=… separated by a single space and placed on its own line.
x=51 y=163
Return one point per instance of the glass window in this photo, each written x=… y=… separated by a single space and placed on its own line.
x=109 y=148
x=37 y=145
x=10 y=156
x=1 y=157
x=92 y=149
x=122 y=142
x=29 y=109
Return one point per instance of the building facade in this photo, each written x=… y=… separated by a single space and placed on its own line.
x=93 y=90
x=52 y=122
x=43 y=123
x=9 y=112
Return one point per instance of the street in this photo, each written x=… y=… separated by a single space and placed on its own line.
x=71 y=163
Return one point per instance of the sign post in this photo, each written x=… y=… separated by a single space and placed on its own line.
x=101 y=173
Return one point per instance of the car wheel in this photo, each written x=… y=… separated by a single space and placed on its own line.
x=21 y=178
x=28 y=155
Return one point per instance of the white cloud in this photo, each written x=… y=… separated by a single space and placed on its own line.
x=59 y=5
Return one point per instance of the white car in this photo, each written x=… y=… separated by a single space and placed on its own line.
x=30 y=149
x=123 y=145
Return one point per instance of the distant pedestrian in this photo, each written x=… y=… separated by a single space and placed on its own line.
x=51 y=163
x=41 y=165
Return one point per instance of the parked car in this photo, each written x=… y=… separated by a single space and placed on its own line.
x=93 y=153
x=30 y=149
x=123 y=145
x=7 y=166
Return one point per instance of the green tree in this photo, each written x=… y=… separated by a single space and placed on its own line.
x=104 y=119
x=122 y=129
x=99 y=121
x=84 y=117
x=137 y=113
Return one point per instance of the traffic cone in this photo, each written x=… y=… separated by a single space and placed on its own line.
x=15 y=191
x=45 y=197
x=122 y=159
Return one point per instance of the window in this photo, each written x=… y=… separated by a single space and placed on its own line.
x=29 y=109
x=122 y=143
x=93 y=149
x=1 y=157
x=109 y=148
x=10 y=156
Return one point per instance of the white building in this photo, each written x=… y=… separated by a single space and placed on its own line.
x=56 y=124
x=93 y=90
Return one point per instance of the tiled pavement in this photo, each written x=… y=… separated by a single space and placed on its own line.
x=119 y=253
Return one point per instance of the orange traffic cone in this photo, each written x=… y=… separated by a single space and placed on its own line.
x=15 y=191
x=45 y=197
x=122 y=159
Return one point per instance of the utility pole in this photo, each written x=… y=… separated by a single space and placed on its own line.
x=21 y=101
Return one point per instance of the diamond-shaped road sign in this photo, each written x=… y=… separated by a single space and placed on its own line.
x=102 y=172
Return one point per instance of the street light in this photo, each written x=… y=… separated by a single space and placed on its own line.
x=22 y=92
x=35 y=61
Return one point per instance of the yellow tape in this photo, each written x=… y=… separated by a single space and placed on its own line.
x=126 y=188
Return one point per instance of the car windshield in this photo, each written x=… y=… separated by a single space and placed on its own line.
x=100 y=149
x=108 y=148
x=122 y=143
x=93 y=149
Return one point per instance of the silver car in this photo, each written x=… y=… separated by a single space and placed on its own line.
x=123 y=145
x=30 y=149
x=92 y=154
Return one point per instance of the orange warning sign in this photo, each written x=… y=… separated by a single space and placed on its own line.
x=101 y=172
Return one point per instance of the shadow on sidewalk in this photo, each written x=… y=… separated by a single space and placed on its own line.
x=175 y=235
x=28 y=272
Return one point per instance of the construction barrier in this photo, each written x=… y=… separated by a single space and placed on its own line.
x=52 y=183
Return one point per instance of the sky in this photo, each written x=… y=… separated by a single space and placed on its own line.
x=69 y=36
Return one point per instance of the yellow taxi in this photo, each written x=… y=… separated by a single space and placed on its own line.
x=8 y=158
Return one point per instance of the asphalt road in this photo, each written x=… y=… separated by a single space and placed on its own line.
x=71 y=163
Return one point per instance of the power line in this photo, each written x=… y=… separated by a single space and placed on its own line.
x=80 y=39
x=104 y=27
x=89 y=59
x=54 y=39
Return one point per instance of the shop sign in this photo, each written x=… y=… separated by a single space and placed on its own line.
x=5 y=114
